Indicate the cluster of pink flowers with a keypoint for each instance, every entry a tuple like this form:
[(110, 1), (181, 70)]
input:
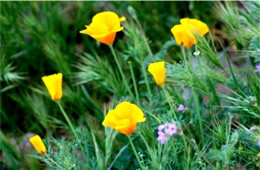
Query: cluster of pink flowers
[(166, 130)]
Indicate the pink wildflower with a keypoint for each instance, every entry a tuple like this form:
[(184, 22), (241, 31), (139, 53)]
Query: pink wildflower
[(162, 138), (181, 108), (171, 129), (257, 68), (166, 130), (161, 127)]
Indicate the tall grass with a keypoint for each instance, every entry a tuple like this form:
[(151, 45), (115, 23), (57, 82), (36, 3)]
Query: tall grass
[(219, 128)]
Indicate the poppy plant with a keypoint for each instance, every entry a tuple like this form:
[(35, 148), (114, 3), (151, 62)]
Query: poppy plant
[(185, 32), (53, 84), (104, 27), (38, 144), (124, 118), (158, 72)]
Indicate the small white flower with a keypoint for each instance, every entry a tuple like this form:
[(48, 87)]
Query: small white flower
[(196, 53)]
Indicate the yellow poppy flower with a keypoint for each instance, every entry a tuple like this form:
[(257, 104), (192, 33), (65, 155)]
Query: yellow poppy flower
[(196, 26), (158, 72), (124, 118), (184, 32), (183, 36), (53, 84), (38, 144), (104, 27)]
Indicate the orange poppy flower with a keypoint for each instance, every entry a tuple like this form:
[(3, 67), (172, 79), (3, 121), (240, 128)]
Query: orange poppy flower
[(38, 144), (158, 72), (124, 118), (184, 32), (104, 27), (53, 84)]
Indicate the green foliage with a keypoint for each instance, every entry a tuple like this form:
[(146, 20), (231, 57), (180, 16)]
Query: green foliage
[(241, 24), (93, 69), (208, 51), (9, 76), (221, 96), (254, 48)]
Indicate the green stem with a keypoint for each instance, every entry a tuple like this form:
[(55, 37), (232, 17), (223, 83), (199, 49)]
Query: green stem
[(147, 146), (203, 77), (117, 156), (54, 162), (67, 119), (142, 63), (155, 118), (144, 37), (197, 109), (184, 56), (194, 96), (92, 103), (70, 125), (169, 102), (198, 151), (136, 155), (134, 82), (146, 81), (174, 114), (120, 70), (232, 72)]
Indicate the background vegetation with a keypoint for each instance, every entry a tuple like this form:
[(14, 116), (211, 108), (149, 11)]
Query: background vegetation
[(42, 38)]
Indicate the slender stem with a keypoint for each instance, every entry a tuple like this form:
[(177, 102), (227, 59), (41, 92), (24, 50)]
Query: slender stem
[(144, 37), (54, 162), (117, 156), (193, 95), (85, 92), (197, 104), (67, 119), (136, 155), (184, 56), (174, 114), (197, 109), (155, 162), (142, 62), (231, 71), (120, 70), (176, 157), (146, 144), (134, 82), (155, 118), (198, 151), (146, 80), (203, 77), (169, 102), (70, 125)]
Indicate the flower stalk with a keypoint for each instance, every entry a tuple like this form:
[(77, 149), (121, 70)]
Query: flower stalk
[(198, 151), (136, 155), (134, 82), (67, 119), (170, 103), (121, 71), (54, 162), (146, 81), (197, 109)]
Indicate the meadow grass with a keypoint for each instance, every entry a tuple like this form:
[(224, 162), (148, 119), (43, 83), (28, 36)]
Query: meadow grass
[(216, 81)]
